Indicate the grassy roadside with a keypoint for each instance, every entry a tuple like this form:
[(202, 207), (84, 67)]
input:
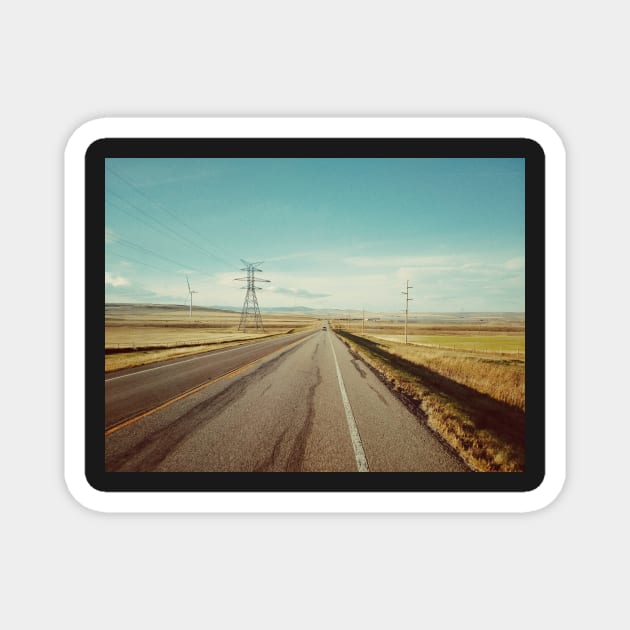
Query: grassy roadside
[(118, 359), (487, 432), (136, 358), (489, 343), (141, 334)]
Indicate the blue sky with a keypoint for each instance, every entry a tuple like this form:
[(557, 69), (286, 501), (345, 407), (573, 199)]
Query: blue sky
[(333, 233)]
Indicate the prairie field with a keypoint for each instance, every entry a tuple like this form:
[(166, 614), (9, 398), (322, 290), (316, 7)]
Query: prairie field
[(480, 342), (483, 335), (474, 400), (142, 334)]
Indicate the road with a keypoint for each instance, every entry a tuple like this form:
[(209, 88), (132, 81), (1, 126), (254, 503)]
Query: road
[(134, 390), (296, 403)]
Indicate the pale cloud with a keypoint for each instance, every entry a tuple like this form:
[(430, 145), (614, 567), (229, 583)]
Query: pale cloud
[(397, 261), (515, 264), (227, 279), (295, 256), (316, 255), (115, 281), (406, 273), (451, 283), (303, 293)]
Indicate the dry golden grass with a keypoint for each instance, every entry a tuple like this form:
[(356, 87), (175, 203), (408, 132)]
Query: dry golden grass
[(141, 334), (512, 344), (500, 378), (475, 404)]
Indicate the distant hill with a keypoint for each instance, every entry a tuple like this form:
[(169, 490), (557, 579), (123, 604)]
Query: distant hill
[(337, 313), (286, 309), (112, 306)]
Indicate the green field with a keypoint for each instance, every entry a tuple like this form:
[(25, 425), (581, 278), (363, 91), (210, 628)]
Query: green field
[(475, 343)]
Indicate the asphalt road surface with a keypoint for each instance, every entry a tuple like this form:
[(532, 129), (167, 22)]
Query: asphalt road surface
[(296, 403)]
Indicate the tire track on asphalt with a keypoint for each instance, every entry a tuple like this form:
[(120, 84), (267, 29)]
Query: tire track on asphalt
[(143, 413), (150, 451)]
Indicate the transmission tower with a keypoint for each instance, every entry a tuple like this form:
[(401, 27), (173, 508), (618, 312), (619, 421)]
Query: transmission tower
[(251, 311)]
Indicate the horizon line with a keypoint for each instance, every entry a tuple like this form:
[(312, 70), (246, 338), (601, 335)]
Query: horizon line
[(307, 308)]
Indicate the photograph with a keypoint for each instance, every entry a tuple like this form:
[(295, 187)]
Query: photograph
[(314, 314)]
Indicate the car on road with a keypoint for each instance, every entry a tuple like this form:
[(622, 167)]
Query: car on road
[(323, 327)]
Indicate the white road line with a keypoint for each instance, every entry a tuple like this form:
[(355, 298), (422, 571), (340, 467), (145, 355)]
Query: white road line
[(205, 356), (359, 453)]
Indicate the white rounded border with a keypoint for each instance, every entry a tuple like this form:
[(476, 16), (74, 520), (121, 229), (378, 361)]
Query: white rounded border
[(305, 502)]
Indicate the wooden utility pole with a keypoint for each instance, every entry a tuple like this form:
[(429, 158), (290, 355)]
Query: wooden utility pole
[(407, 298)]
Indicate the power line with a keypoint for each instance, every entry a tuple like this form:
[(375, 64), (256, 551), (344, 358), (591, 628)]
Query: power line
[(164, 231), (171, 214), (169, 231), (140, 248), (138, 262)]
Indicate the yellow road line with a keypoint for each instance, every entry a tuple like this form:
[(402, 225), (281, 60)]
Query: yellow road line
[(234, 372)]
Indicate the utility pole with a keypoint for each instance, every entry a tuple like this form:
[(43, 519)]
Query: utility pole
[(363, 322), (251, 309), (407, 298)]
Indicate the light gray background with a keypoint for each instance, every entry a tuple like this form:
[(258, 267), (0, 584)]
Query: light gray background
[(67, 62)]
